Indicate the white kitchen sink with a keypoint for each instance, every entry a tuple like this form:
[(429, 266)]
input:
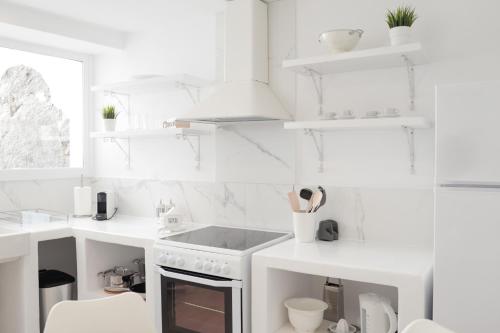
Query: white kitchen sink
[(14, 243)]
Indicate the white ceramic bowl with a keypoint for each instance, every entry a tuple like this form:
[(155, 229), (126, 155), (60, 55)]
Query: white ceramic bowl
[(341, 40), (305, 314)]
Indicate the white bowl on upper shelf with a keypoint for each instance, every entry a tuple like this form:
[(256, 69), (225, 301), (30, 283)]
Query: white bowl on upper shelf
[(340, 40)]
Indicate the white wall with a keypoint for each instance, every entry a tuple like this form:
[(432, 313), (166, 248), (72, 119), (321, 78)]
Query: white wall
[(381, 159), (184, 45), (248, 169)]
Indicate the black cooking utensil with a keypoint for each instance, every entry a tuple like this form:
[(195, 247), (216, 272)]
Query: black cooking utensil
[(323, 199), (306, 194)]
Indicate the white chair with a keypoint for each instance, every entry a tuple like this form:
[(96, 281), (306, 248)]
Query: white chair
[(425, 326), (125, 313)]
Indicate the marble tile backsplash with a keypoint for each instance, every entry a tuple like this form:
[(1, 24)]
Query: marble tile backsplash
[(388, 215), (47, 194)]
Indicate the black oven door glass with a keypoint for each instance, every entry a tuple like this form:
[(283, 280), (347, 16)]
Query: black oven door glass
[(189, 307)]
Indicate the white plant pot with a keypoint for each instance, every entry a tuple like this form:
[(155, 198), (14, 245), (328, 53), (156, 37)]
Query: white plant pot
[(400, 35), (109, 125)]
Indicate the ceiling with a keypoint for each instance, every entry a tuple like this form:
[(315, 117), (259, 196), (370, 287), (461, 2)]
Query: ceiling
[(125, 15)]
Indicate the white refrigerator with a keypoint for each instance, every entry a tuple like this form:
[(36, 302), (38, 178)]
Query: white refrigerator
[(467, 207)]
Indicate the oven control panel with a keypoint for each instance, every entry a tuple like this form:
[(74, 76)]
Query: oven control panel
[(200, 261)]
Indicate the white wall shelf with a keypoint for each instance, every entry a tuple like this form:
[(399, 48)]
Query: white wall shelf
[(191, 136), (360, 124), (407, 55), (155, 84), (147, 133), (288, 328), (316, 128), (369, 59)]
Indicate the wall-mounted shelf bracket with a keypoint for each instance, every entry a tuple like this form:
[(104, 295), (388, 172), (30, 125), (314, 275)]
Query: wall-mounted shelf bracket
[(192, 91), (317, 80), (116, 96), (195, 144), (124, 148), (317, 138), (410, 137), (410, 69)]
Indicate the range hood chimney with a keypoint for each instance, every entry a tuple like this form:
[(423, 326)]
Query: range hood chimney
[(245, 94)]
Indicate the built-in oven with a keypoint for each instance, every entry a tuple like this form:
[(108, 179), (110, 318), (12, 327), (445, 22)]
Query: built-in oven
[(194, 302)]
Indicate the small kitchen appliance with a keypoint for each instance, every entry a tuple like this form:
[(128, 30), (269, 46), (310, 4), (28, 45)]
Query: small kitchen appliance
[(105, 206), (205, 273), (377, 314)]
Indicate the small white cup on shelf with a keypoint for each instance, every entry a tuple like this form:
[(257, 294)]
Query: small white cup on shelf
[(304, 226)]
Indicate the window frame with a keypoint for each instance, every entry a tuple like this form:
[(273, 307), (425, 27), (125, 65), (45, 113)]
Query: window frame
[(58, 173)]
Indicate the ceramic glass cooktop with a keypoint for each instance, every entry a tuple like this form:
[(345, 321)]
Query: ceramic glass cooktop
[(225, 238)]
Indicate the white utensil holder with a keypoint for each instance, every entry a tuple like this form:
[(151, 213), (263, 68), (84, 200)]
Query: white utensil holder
[(304, 226)]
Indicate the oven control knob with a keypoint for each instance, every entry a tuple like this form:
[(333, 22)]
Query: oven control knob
[(180, 262), (162, 258), (198, 264), (171, 260), (226, 269), (208, 266), (217, 268)]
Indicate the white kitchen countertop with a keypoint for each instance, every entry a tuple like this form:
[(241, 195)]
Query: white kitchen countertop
[(355, 260), (274, 279), (121, 227), (90, 235)]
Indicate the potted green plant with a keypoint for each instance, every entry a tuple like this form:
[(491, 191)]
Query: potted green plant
[(400, 21), (109, 115)]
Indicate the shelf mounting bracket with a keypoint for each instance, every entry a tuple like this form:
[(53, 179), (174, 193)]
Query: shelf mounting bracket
[(195, 145), (317, 80), (410, 137), (192, 91), (410, 69), (125, 149), (116, 97), (318, 141)]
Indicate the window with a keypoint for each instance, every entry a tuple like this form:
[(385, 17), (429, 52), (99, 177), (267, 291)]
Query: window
[(41, 111)]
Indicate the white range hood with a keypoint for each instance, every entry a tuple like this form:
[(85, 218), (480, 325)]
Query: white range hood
[(245, 94)]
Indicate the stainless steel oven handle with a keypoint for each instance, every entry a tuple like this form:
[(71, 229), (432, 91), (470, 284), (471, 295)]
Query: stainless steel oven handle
[(195, 279)]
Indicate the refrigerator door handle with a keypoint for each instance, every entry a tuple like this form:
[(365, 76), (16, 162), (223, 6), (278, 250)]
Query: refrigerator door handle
[(470, 185)]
